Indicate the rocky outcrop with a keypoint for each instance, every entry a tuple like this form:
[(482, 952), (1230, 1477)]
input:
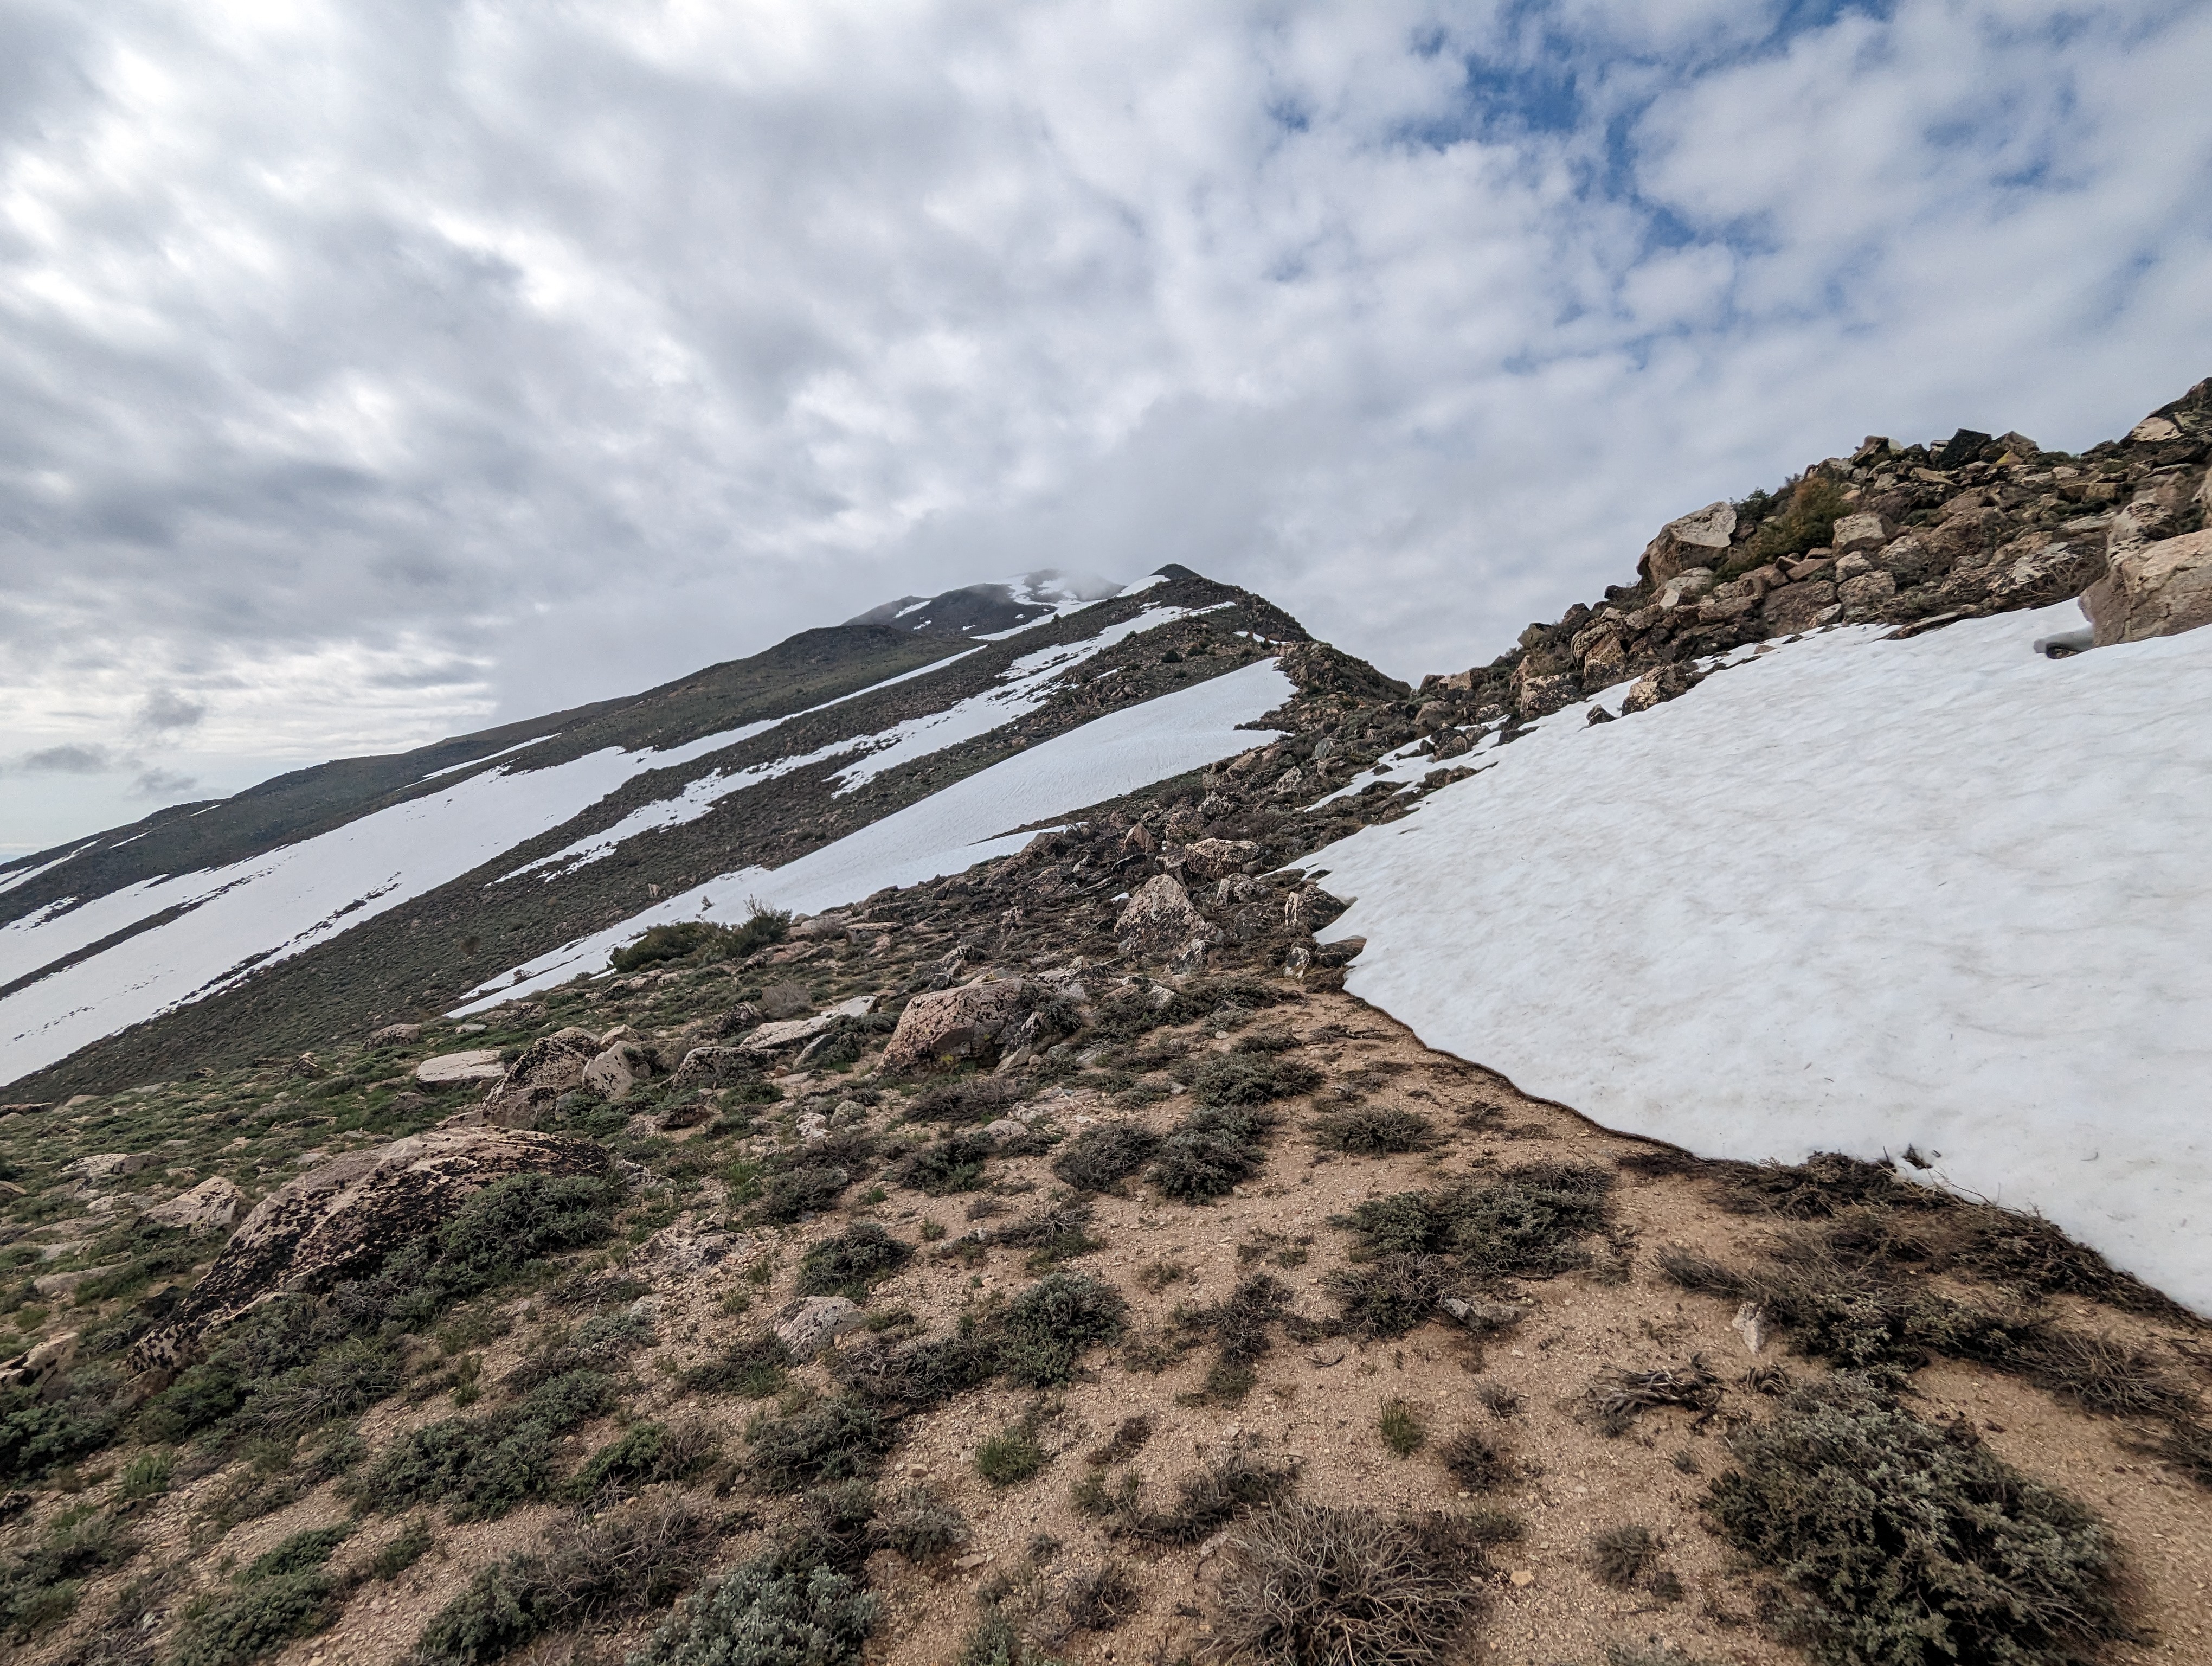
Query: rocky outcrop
[(812, 1322), (774, 1037), (963, 1023), (1691, 540), (343, 1218), (1158, 918), (2153, 590), (549, 1067)]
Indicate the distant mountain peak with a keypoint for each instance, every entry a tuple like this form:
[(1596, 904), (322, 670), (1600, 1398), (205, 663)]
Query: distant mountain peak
[(993, 608)]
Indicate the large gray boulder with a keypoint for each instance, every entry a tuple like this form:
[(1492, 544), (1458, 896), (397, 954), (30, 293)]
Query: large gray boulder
[(966, 1022), (2153, 590)]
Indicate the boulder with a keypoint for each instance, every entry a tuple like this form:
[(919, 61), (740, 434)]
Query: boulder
[(812, 1322), (479, 1064), (2153, 590), (344, 1216), (1659, 684), (2032, 571), (966, 1022), (212, 1203), (1718, 609), (549, 1067), (395, 1035), (1158, 917), (613, 1073), (1005, 1127), (2151, 431), (1864, 596), (1603, 654), (1686, 588), (1796, 607), (1216, 859), (1865, 530), (773, 1038), (1538, 694), (1690, 541), (49, 1359)]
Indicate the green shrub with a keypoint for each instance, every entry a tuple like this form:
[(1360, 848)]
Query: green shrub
[(1521, 1223), (284, 1595), (485, 1466), (1619, 1556), (145, 1476), (919, 1523), (1903, 1543), (1211, 1153), (38, 1587), (1251, 1079), (644, 1453), (1373, 1131), (299, 1553), (1389, 1294), (1009, 1456), (753, 1369), (402, 1551), (701, 938), (1401, 1428), (964, 1099), (1045, 1329), (778, 1609), (993, 1640), (342, 1381), (1098, 1159), (860, 1257), (834, 1439), (953, 1163)]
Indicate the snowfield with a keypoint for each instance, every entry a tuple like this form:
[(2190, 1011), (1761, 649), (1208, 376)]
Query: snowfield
[(1848, 894), (953, 829)]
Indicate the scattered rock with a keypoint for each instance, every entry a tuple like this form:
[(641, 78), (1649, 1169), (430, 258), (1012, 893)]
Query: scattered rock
[(715, 1066), (1688, 541), (109, 1166), (1660, 684), (549, 1067), (1864, 596), (1483, 1316), (213, 1202), (480, 1064), (772, 1038), (1750, 1323), (812, 1322), (1217, 859), (1865, 530), (349, 1214), (968, 1021), (1799, 607), (613, 1073), (1005, 1127), (395, 1035), (1158, 918)]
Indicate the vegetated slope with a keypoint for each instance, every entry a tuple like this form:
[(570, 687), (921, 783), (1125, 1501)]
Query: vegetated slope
[(1205, 1307), (387, 915)]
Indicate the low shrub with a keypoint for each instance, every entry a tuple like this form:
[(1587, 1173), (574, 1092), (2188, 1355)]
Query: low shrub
[(1474, 1460), (1045, 1329), (1401, 1428), (1373, 1131), (702, 938), (1011, 1455), (952, 1162), (622, 1564), (1228, 1079), (834, 1439), (1211, 1153), (1616, 1399), (38, 1587), (642, 1454), (599, 1343), (1390, 1294), (918, 1523), (1306, 1583), (1521, 1223), (403, 1550), (1099, 1159), (1205, 1502), (482, 1467), (40, 1430), (1098, 1599), (781, 1608), (283, 1594), (966, 1099), (1903, 1543), (1619, 1556), (853, 1262), (753, 1369)]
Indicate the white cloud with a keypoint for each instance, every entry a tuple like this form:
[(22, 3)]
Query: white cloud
[(368, 371)]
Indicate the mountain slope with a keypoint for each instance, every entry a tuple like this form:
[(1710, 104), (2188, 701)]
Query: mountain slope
[(297, 939)]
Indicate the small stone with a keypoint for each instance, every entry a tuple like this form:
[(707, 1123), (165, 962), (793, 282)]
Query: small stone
[(1522, 1576)]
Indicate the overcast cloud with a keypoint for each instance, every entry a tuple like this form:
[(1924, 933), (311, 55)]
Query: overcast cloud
[(368, 373)]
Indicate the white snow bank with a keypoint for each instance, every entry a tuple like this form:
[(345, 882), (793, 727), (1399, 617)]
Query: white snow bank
[(1852, 895), (965, 823)]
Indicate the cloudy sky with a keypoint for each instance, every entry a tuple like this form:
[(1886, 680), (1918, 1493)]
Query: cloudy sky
[(370, 372)]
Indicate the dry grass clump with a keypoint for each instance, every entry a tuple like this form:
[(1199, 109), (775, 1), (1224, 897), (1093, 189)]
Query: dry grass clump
[(1099, 1159), (1619, 1556), (919, 1523), (1313, 1585), (1240, 1328), (1127, 1440), (1205, 1501), (1401, 1428), (1098, 1599), (1520, 1222), (1618, 1398), (1497, 1400), (1389, 1294), (1901, 1541), (1373, 1130), (1473, 1459), (1011, 1455), (966, 1099), (752, 1369), (1051, 1236), (952, 1162), (811, 1177), (615, 1566)]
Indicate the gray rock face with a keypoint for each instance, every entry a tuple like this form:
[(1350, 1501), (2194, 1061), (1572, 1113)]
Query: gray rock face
[(615, 1071), (1866, 595), (774, 1037), (1859, 532), (966, 1022), (347, 1214), (1796, 607), (109, 1166), (1691, 541), (2153, 590), (549, 1067), (812, 1322), (1659, 684)]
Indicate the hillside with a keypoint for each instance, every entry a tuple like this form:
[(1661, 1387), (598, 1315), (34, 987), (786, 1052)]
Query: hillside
[(1142, 1137)]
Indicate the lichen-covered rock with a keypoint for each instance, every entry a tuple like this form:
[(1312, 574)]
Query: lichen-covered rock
[(1657, 686), (1802, 606), (1214, 859), (967, 1022), (1691, 540), (773, 1038), (613, 1073), (716, 1067), (549, 1067), (395, 1035), (347, 1214), (1158, 917), (812, 1322)]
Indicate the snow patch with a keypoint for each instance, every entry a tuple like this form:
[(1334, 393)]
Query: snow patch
[(1855, 895)]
